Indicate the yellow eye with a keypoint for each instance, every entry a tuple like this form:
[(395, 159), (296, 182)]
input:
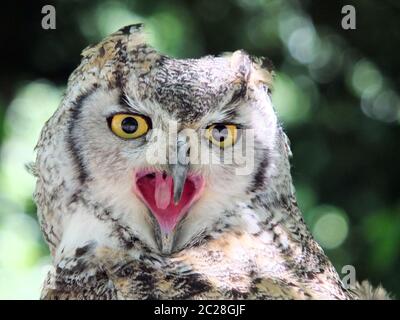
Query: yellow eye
[(222, 135), (129, 126)]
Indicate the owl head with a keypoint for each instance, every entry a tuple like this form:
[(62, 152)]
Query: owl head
[(150, 149)]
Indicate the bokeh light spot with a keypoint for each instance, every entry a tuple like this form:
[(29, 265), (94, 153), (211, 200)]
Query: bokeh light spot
[(331, 227), (366, 79)]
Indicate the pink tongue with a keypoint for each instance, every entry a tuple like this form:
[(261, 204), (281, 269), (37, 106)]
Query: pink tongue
[(162, 192), (156, 190)]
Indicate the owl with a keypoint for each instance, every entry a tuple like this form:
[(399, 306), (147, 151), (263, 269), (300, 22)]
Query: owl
[(164, 178)]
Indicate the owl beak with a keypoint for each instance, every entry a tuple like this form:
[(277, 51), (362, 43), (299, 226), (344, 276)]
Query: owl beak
[(180, 169), (169, 195), (179, 173), (155, 189)]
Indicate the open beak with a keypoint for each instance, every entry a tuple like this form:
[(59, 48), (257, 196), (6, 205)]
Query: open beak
[(169, 196)]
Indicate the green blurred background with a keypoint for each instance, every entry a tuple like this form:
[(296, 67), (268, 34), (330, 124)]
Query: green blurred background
[(336, 92)]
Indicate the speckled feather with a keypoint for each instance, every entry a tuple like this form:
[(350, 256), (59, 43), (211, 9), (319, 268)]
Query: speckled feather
[(244, 242)]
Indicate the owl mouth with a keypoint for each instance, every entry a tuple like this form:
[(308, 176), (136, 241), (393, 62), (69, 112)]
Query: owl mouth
[(155, 189)]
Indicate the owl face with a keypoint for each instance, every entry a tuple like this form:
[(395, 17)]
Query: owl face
[(166, 147), (172, 160)]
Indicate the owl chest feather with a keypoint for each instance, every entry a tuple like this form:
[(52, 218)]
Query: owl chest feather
[(233, 266)]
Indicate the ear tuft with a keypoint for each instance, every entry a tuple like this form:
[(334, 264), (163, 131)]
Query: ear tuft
[(262, 72), (117, 56), (253, 70), (241, 63)]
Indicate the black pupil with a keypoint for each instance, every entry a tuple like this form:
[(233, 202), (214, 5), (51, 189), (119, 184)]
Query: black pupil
[(220, 132), (129, 125)]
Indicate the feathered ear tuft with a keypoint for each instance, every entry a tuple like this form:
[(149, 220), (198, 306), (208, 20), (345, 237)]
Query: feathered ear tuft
[(131, 36), (112, 59), (253, 70), (241, 63), (263, 71)]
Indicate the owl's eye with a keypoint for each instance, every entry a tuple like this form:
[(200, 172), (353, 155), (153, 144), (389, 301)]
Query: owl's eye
[(222, 135), (129, 126)]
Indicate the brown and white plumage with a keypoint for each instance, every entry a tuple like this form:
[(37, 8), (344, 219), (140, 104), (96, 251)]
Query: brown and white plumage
[(244, 238)]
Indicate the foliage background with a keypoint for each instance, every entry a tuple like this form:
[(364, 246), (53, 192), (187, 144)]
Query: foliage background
[(336, 92)]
